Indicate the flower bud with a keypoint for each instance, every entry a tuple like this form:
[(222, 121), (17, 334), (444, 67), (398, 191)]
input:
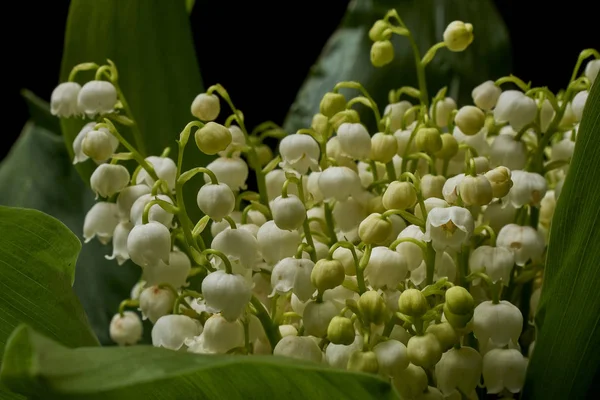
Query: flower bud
[(341, 331), (327, 274), (63, 101), (264, 154), (458, 36), (320, 124), (507, 152), (458, 369), (216, 200), (156, 302), (411, 382), (332, 103), (374, 229), (299, 347), (226, 293), (126, 329), (345, 256), (171, 331), (376, 31), (396, 113), (578, 104), (445, 334), (343, 117), (383, 147), (424, 351), (391, 356), (591, 70), (429, 140), (485, 96), (470, 120), (500, 179), (149, 243), (219, 336), (399, 195), (516, 108), (355, 140), (109, 179), (288, 212), (431, 186), (375, 205), (231, 171), (212, 138), (459, 300), (175, 273), (97, 97), (363, 362), (449, 147), (206, 107), (412, 303), (372, 307), (165, 169), (99, 145), (476, 190), (382, 53)]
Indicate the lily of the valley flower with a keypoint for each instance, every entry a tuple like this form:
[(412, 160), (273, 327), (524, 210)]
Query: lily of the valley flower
[(299, 153), (448, 228)]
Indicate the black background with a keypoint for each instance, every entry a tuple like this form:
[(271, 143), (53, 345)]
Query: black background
[(276, 44)]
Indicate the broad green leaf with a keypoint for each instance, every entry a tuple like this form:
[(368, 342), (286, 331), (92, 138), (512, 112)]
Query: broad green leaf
[(36, 365), (37, 173), (566, 358), (346, 57)]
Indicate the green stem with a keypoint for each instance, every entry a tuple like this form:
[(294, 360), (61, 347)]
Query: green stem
[(391, 171), (128, 303), (429, 263), (360, 280), (360, 270), (330, 224), (165, 205), (271, 330), (222, 256), (361, 88)]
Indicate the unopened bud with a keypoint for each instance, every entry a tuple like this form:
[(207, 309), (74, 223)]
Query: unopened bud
[(382, 53), (374, 229), (429, 140), (327, 274), (341, 331), (375, 205), (206, 107), (383, 147), (500, 179), (372, 307), (99, 145), (264, 154), (459, 300), (445, 334), (332, 103), (346, 116), (363, 362), (431, 186), (212, 138), (377, 30), (458, 36), (412, 303), (469, 120), (449, 147), (475, 190), (400, 196), (320, 123), (424, 351)]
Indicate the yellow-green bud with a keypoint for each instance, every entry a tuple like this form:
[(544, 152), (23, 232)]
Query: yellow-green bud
[(372, 307), (327, 274), (399, 196), (341, 331), (99, 145), (470, 120), (429, 140), (332, 103), (432, 185), (320, 124), (459, 300), (377, 30), (212, 138), (382, 53), (449, 147), (363, 362), (458, 36), (383, 147), (411, 383), (412, 303), (349, 116), (374, 229), (206, 107), (445, 334), (375, 205), (500, 179), (458, 321), (475, 190), (264, 154), (424, 351)]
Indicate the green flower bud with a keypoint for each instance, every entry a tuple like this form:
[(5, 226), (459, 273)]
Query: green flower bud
[(500, 179), (375, 205), (349, 116), (374, 229), (372, 307), (341, 331), (412, 303), (458, 36), (459, 300), (206, 107), (363, 362), (470, 120), (432, 185), (212, 138), (382, 53), (264, 154), (327, 274), (458, 321), (320, 124), (424, 351), (429, 140), (449, 147), (332, 103), (445, 334), (411, 383), (383, 147), (399, 196), (377, 30), (476, 190)]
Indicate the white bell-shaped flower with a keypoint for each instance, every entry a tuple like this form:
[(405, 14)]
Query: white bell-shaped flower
[(156, 302), (78, 154), (411, 382), (275, 180), (500, 323), (403, 137), (391, 357), (443, 110), (562, 150), (495, 262), (591, 70), (238, 142), (355, 140), (299, 153), (528, 188), (338, 296), (149, 243), (348, 214), (171, 331), (299, 347), (507, 152), (515, 108), (444, 267), (430, 204), (126, 329), (231, 171), (450, 190), (396, 113), (339, 183), (337, 355), (312, 186), (99, 145), (478, 142), (448, 227), (546, 115), (365, 172), (206, 107), (525, 242), (485, 96), (504, 369), (100, 221), (288, 212), (119, 242), (458, 369), (316, 317), (345, 256), (97, 97), (226, 293), (137, 290), (175, 273), (165, 169), (237, 244), (109, 179), (410, 252), (386, 268), (334, 151), (127, 197), (216, 200), (218, 337), (497, 215), (293, 274), (63, 101), (578, 104), (276, 244), (156, 213)]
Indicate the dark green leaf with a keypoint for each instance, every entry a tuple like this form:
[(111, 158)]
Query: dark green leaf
[(566, 358), (39, 111), (36, 365), (347, 54)]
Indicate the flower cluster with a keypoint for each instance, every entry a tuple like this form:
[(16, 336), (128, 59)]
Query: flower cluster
[(414, 251)]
